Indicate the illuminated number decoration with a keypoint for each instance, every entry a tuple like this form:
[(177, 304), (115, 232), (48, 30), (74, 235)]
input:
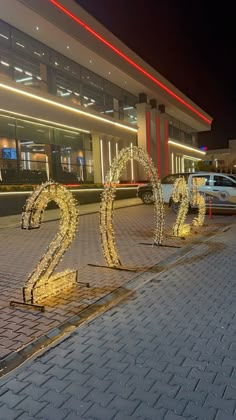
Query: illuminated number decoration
[(199, 200), (180, 195), (41, 283), (106, 209)]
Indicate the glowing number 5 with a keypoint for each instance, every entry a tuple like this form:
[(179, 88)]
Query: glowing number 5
[(180, 195), (199, 200), (41, 283)]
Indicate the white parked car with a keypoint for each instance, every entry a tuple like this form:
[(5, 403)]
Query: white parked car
[(219, 189)]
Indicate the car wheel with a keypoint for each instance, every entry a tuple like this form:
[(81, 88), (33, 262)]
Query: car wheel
[(174, 207), (147, 197)]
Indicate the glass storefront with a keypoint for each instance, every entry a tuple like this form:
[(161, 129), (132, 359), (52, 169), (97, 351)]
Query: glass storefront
[(181, 132), (31, 152), (30, 63)]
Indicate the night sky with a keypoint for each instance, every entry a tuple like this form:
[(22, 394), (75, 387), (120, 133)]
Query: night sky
[(192, 44)]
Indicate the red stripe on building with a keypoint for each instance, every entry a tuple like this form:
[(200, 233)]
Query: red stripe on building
[(166, 136), (130, 61), (158, 146), (148, 132)]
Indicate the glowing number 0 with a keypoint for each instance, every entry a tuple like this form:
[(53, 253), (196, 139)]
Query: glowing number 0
[(41, 283), (180, 194), (106, 209)]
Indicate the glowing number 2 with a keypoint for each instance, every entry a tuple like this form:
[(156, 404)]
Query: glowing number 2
[(41, 283)]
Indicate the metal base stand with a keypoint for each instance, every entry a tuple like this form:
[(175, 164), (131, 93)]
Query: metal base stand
[(84, 283), (160, 245), (27, 305), (120, 268)]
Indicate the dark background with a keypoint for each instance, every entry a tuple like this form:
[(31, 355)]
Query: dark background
[(192, 44)]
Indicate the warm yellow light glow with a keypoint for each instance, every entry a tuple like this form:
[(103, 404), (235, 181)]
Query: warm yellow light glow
[(47, 123), (180, 195), (183, 146), (41, 283), (102, 160), (106, 209), (68, 108), (199, 200), (191, 157)]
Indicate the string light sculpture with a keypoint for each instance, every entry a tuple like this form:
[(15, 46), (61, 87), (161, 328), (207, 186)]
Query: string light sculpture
[(199, 200), (41, 283), (180, 195), (107, 199)]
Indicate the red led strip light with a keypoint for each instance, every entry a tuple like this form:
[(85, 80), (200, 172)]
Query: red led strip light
[(158, 145), (148, 132), (166, 137), (126, 58)]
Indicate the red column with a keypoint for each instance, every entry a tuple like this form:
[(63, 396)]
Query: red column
[(148, 132), (166, 136), (158, 146)]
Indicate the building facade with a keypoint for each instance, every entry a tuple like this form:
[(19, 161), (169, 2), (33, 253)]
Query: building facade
[(222, 160), (73, 95)]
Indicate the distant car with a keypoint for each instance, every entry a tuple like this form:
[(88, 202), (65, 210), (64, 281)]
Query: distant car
[(145, 191), (219, 190)]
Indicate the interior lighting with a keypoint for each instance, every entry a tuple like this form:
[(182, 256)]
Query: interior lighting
[(130, 61), (4, 36), (20, 45), (25, 79), (4, 63), (68, 108), (64, 126), (18, 69), (102, 161), (183, 146)]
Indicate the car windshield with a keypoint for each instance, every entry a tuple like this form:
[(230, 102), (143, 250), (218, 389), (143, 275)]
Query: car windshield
[(170, 179), (233, 177)]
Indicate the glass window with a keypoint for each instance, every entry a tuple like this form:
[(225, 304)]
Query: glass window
[(36, 133), (26, 71), (5, 63), (92, 79), (8, 160), (65, 65), (92, 97), (5, 37), (205, 177), (114, 91), (24, 44), (222, 181), (68, 88), (7, 126), (34, 162)]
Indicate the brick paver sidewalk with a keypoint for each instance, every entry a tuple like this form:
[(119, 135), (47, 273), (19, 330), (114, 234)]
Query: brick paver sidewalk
[(168, 352), (20, 251)]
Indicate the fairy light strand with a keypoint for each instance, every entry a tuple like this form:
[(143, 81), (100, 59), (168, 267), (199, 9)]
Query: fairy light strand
[(106, 208), (180, 195), (199, 200), (41, 283)]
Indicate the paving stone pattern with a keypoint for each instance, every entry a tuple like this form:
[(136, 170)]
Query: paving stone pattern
[(20, 250), (168, 352)]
